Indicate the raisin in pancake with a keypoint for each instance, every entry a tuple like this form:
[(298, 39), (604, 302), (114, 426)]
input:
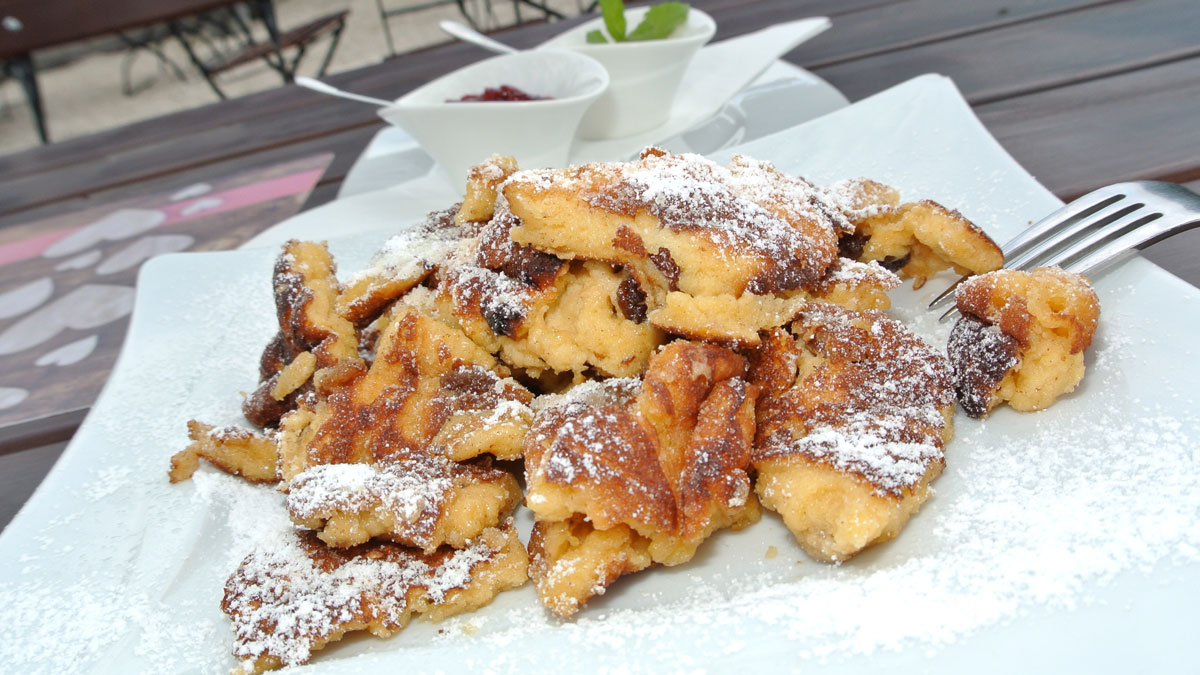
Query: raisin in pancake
[(1021, 338), (707, 245), (623, 473), (916, 239), (852, 421), (540, 314), (291, 600)]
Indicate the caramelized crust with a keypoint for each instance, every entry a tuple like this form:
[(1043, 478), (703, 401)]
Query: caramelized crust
[(288, 602), (679, 223), (306, 293), (483, 183), (425, 376), (234, 450), (1021, 338), (262, 409), (424, 501), (916, 239), (852, 423), (664, 458)]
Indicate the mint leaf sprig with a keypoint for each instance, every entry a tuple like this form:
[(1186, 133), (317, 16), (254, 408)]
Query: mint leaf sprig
[(659, 22)]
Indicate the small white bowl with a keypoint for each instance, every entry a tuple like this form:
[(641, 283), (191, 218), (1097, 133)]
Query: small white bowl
[(645, 75), (461, 134)]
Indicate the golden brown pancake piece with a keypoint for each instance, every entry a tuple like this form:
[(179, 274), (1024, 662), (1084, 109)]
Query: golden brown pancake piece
[(916, 239), (429, 389), (291, 600), (852, 421), (654, 466), (687, 230), (1021, 338), (424, 501), (234, 450)]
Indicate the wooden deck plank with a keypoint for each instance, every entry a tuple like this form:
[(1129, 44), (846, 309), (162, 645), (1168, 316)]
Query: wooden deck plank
[(1091, 43)]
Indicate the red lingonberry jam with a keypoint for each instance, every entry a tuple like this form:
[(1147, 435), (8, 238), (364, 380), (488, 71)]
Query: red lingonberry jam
[(504, 92)]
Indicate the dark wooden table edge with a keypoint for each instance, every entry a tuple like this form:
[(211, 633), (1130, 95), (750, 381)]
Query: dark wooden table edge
[(42, 431)]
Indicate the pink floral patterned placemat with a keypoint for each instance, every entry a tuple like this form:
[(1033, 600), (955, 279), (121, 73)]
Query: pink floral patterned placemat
[(67, 283)]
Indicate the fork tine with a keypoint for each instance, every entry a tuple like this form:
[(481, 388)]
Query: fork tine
[(948, 294), (1124, 246), (1096, 239), (1047, 228), (1100, 229), (1067, 233), (1080, 208)]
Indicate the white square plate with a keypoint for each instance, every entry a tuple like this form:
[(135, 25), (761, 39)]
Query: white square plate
[(1067, 539)]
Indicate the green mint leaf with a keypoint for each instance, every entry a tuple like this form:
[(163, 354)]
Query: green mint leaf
[(660, 21), (614, 18), (596, 37)]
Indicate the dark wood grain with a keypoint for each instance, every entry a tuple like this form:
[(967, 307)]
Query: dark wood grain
[(1012, 60), (20, 474), (911, 23), (1141, 124), (60, 351), (963, 41)]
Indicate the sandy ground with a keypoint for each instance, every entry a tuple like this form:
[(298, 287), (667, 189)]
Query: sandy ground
[(85, 96)]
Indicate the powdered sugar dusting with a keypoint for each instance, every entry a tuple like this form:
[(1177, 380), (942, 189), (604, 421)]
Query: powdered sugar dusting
[(404, 489), (872, 407), (295, 595)]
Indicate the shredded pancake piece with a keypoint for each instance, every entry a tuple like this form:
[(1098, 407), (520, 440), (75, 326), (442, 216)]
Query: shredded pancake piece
[(916, 239), (294, 599), (429, 390), (234, 450), (424, 501), (527, 306), (681, 224), (1021, 338), (483, 186), (653, 467), (852, 421), (312, 333), (306, 293)]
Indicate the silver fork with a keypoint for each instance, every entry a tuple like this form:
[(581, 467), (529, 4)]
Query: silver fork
[(1098, 230)]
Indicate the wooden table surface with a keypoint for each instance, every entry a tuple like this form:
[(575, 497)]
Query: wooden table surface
[(1081, 92)]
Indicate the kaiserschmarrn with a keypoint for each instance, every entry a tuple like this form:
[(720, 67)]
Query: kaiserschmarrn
[(638, 353)]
